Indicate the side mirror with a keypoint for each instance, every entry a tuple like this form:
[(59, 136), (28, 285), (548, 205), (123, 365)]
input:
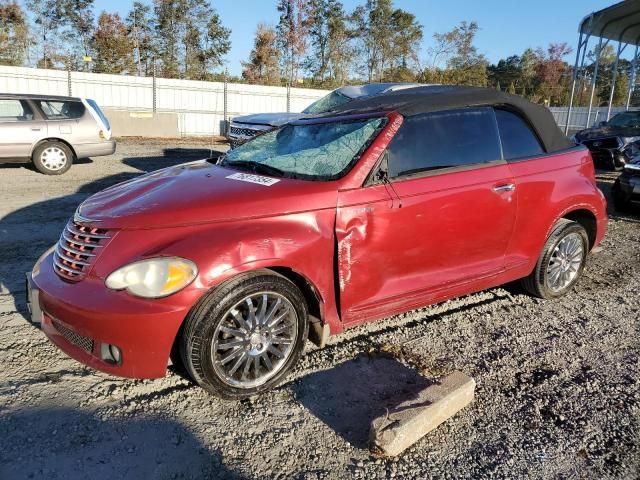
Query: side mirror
[(602, 124)]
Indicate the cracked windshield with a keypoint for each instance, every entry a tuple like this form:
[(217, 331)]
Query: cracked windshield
[(321, 150)]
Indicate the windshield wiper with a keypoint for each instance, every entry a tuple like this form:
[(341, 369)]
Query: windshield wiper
[(258, 167)]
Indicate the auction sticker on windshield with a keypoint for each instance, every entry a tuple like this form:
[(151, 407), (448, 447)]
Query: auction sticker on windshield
[(248, 177)]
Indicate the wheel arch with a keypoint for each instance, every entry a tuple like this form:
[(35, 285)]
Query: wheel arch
[(588, 220), (53, 139)]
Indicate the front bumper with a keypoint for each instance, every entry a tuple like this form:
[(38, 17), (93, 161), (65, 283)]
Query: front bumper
[(82, 318), (85, 150), (607, 157), (627, 188)]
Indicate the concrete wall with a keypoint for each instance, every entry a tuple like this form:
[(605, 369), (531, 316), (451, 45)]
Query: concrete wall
[(125, 123)]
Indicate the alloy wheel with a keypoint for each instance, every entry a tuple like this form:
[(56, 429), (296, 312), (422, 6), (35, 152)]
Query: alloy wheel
[(254, 340), (565, 262)]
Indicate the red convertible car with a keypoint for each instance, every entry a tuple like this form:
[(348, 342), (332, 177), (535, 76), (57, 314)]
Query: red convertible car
[(392, 203)]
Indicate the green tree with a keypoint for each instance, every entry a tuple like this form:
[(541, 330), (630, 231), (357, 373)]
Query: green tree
[(46, 18), (112, 45), (456, 50), (292, 34), (373, 24), (406, 38), (191, 38), (77, 19), (141, 30), (329, 35), (263, 66), (14, 33)]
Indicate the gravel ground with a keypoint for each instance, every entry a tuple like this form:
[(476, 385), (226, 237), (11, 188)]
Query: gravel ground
[(558, 383)]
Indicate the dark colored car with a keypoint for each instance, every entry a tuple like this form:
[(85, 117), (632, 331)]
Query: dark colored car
[(614, 143), (388, 204), (246, 127), (626, 188)]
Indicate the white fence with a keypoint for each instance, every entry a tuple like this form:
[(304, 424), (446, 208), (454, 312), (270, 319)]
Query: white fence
[(200, 106), (579, 116)]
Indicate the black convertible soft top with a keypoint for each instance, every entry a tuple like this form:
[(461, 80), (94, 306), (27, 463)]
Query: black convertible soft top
[(433, 98)]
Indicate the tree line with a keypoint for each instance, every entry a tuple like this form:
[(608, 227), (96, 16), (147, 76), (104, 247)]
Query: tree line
[(314, 43)]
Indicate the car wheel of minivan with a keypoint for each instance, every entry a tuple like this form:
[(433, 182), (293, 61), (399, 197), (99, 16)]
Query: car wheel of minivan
[(52, 158), (244, 336), (561, 262)]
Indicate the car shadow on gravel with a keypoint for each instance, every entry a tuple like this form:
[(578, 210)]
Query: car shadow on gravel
[(75, 444), (349, 396), (49, 217)]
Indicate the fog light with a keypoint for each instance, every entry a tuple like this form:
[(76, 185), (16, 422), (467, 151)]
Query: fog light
[(111, 354)]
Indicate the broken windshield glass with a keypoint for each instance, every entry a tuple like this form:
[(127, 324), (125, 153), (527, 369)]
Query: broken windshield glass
[(327, 103), (320, 150)]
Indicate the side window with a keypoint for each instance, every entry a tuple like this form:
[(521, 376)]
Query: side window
[(518, 141), (15, 111), (60, 110), (447, 139)]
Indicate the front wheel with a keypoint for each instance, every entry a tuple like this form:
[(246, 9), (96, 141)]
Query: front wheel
[(245, 336), (561, 262)]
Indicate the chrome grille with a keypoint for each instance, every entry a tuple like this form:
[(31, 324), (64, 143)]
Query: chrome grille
[(244, 132), (76, 249), (85, 343), (609, 142)]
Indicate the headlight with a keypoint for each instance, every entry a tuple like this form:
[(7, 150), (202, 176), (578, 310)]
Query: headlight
[(153, 278)]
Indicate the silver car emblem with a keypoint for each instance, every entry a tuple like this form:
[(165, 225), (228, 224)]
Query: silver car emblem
[(597, 144)]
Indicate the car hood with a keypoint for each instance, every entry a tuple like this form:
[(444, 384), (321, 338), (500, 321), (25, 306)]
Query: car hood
[(604, 132), (272, 119), (201, 192)]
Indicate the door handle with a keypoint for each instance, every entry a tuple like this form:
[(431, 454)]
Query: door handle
[(509, 187), (36, 129)]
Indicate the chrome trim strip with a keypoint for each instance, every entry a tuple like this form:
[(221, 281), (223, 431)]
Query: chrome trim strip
[(69, 259)]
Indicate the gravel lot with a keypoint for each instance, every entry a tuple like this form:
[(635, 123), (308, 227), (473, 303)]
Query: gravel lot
[(558, 392)]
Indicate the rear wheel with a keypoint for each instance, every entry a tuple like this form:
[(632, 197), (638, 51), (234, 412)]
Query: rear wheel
[(245, 336), (52, 158), (561, 262)]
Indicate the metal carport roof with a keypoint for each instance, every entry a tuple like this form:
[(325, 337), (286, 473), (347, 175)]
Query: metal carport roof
[(618, 23)]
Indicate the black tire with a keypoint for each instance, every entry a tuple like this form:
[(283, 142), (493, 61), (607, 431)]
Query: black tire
[(617, 164), (621, 202), (205, 320), (39, 157), (536, 283)]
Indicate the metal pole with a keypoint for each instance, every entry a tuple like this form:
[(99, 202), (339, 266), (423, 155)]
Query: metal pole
[(593, 82), (632, 77), (69, 79), (288, 97), (573, 85), (154, 85), (614, 78), (225, 92)]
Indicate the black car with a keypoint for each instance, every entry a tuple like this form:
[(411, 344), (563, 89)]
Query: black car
[(626, 189), (614, 143)]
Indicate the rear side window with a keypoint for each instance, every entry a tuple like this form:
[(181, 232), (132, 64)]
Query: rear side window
[(448, 139), (15, 111), (99, 112), (518, 140), (61, 110)]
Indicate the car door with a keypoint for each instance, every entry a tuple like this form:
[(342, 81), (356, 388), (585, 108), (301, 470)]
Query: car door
[(445, 222), (20, 128)]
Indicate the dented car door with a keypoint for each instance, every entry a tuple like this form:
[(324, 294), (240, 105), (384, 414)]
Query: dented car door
[(446, 220)]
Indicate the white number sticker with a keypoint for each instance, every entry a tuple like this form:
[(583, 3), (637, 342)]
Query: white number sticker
[(249, 177)]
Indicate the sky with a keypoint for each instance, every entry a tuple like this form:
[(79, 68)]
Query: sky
[(507, 27)]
